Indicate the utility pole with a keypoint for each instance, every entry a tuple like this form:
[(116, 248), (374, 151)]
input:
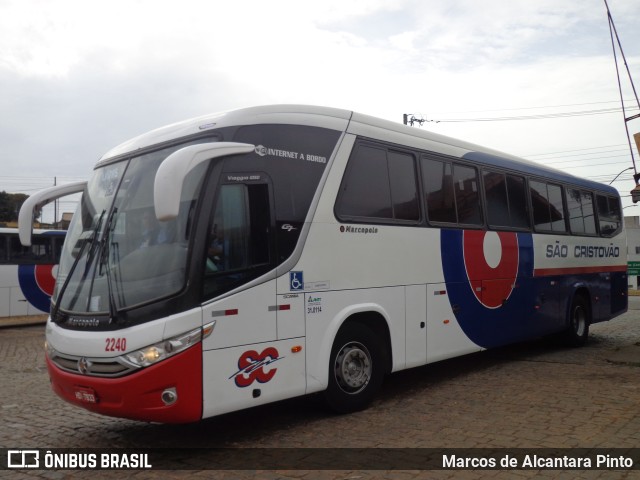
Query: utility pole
[(55, 204), (635, 193)]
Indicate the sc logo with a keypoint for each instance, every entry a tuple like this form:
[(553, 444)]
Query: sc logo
[(251, 367)]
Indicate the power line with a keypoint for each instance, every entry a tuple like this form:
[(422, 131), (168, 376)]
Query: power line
[(582, 113), (596, 165), (583, 160), (531, 108), (575, 150)]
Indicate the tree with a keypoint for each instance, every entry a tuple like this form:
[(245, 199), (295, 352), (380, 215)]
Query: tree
[(10, 204)]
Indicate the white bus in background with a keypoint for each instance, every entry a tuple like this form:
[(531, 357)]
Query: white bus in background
[(27, 274), (250, 256)]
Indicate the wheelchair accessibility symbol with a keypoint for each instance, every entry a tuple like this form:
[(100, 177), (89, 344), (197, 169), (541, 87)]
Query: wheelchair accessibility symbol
[(296, 281)]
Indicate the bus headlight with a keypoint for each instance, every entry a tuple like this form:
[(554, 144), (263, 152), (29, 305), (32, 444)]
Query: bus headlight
[(49, 350), (167, 348)]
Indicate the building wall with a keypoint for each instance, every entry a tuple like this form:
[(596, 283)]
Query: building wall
[(632, 225)]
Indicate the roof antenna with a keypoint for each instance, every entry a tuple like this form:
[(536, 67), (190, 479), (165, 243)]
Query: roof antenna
[(411, 119), (635, 193)]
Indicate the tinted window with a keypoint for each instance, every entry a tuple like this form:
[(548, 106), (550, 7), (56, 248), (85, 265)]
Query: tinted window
[(3, 248), (588, 214), (239, 242), (295, 158), (574, 209), (365, 191), (609, 215), (404, 190), (556, 208), (40, 251), (379, 184), (438, 185), (580, 209), (548, 210), (451, 192), (58, 242), (465, 181), (517, 202), (495, 187)]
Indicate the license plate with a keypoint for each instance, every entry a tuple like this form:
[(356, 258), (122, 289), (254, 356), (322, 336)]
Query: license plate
[(86, 395)]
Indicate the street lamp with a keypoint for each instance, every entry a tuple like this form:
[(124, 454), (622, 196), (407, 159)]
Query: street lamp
[(614, 179)]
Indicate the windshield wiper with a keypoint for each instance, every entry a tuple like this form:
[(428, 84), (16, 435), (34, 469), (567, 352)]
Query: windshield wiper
[(91, 239), (104, 262)]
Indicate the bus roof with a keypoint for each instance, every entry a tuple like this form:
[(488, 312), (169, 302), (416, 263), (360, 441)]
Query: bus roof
[(350, 122)]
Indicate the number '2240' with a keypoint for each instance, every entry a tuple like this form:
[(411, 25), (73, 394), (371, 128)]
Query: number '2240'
[(115, 344)]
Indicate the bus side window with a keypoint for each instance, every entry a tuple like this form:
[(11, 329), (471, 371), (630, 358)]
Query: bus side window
[(239, 240), (452, 192), (467, 191), (379, 184), (57, 248), (588, 213), (38, 252), (548, 209), (495, 187), (438, 185), (367, 172), (517, 201), (609, 215), (580, 208), (4, 251)]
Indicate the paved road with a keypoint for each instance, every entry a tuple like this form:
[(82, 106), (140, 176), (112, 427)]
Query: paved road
[(532, 395)]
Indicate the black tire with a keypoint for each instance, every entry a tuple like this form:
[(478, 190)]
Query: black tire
[(577, 331), (356, 369)]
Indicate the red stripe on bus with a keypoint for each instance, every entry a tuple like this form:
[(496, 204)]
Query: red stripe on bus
[(545, 272)]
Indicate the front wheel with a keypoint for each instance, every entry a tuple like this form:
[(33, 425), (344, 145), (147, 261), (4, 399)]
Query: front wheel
[(579, 319), (356, 369)]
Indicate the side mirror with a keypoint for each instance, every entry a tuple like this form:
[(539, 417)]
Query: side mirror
[(167, 187), (36, 202)]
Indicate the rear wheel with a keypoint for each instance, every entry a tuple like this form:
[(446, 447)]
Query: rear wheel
[(579, 319), (356, 369)]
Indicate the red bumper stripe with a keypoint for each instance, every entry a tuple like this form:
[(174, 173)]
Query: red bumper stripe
[(138, 396)]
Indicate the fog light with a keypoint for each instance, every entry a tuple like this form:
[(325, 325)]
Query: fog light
[(169, 396)]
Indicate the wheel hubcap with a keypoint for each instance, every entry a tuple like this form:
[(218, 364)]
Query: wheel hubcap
[(353, 367), (579, 320)]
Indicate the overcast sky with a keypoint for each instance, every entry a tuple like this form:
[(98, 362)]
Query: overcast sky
[(79, 77)]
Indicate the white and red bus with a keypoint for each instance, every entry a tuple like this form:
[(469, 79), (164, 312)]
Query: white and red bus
[(27, 274), (255, 255)]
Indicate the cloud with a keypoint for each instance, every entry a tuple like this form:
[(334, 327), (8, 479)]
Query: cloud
[(77, 77)]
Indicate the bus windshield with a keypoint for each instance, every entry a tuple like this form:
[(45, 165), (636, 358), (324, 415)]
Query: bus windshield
[(117, 255)]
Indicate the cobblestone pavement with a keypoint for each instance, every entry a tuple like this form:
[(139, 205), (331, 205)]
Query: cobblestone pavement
[(532, 395)]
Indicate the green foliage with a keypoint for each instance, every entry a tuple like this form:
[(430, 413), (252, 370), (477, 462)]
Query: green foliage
[(10, 204)]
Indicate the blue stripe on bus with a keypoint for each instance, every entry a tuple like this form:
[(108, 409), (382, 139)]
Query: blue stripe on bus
[(530, 168)]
